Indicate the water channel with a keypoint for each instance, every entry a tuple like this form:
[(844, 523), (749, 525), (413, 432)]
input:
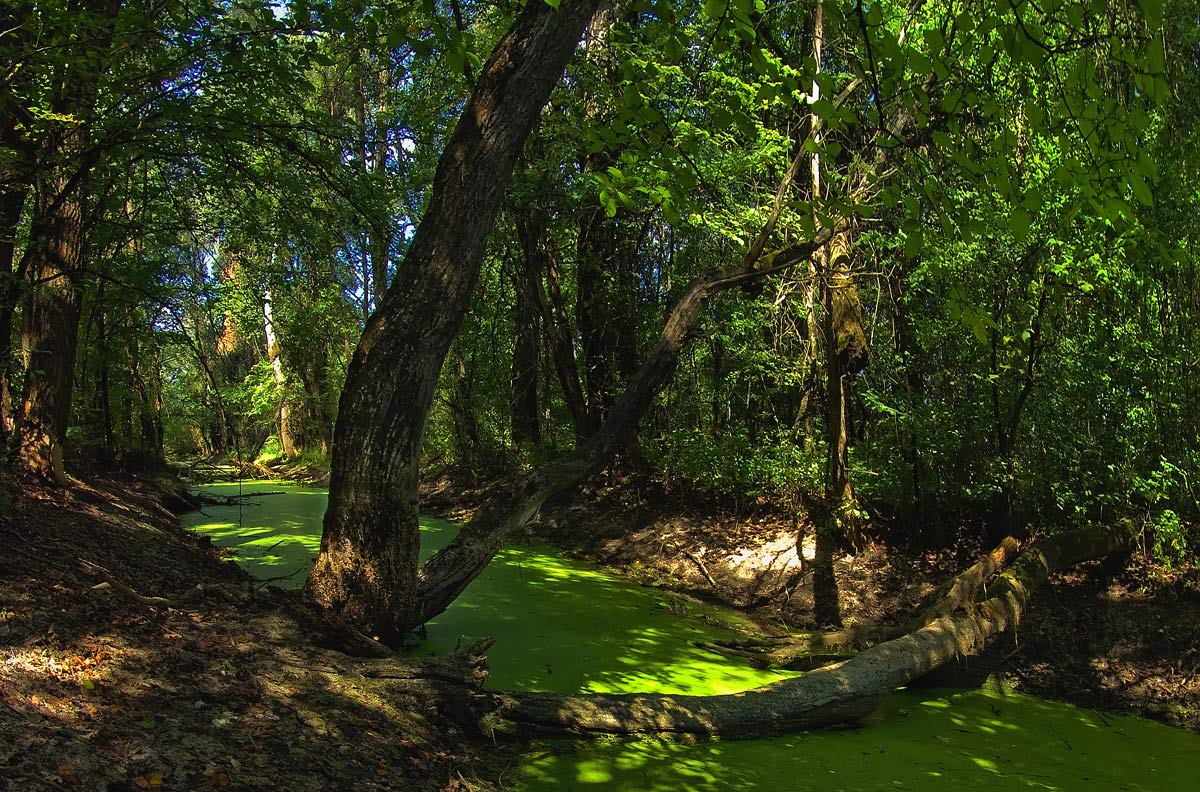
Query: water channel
[(564, 625)]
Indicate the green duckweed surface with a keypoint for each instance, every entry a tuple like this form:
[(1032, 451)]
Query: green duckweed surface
[(563, 625)]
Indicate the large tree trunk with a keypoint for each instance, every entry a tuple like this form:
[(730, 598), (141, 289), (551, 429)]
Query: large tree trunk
[(57, 241), (50, 329), (367, 568), (838, 694)]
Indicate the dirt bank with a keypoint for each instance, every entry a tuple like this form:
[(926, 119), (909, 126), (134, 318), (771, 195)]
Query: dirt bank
[(118, 672)]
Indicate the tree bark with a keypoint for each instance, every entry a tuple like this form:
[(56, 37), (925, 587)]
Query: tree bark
[(830, 696), (57, 243), (50, 330), (367, 569)]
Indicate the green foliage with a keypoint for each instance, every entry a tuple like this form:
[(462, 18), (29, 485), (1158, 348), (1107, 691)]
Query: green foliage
[(733, 464), (1174, 543), (1017, 182)]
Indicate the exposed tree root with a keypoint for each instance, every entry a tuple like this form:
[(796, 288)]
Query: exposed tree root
[(836, 694), (113, 583)]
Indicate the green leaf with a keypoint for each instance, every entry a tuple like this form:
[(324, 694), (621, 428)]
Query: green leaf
[(1152, 10), (914, 242), (1141, 191), (824, 109), (1019, 222)]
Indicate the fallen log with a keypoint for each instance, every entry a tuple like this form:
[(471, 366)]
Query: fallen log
[(829, 696), (803, 652)]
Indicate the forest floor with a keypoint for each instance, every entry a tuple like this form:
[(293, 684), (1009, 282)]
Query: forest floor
[(1124, 642), (104, 686)]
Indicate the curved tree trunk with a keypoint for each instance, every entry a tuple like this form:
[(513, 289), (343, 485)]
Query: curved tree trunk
[(834, 695), (367, 569)]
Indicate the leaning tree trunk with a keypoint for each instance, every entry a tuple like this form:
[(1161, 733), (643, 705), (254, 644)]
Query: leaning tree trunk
[(838, 694), (367, 568)]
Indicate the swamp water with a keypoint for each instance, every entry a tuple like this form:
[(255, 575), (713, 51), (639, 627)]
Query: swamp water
[(563, 625)]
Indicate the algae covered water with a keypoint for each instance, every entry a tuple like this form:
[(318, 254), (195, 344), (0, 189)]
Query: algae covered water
[(559, 624), (564, 625)]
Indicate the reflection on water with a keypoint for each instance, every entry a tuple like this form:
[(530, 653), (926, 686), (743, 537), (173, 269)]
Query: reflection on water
[(563, 625)]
